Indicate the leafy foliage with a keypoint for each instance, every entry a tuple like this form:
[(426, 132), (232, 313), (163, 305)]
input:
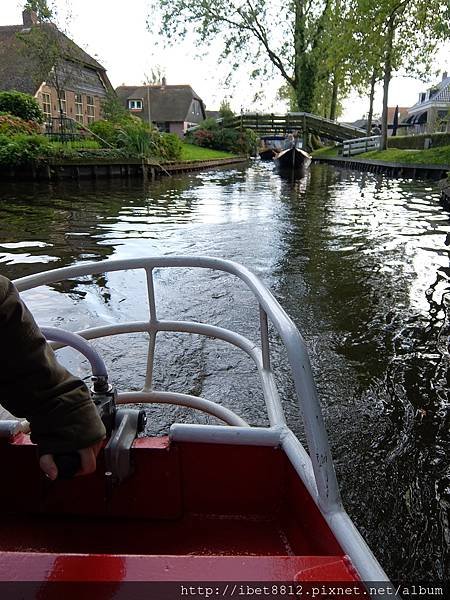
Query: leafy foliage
[(107, 130), (113, 109), (247, 34), (418, 141), (211, 134), (136, 138), (170, 146), (23, 149), (41, 8), (11, 125), (401, 35), (21, 105), (321, 49), (225, 111)]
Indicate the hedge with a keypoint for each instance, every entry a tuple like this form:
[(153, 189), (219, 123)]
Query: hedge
[(417, 142), (21, 105)]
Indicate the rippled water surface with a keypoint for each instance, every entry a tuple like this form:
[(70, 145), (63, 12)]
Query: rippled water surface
[(360, 262)]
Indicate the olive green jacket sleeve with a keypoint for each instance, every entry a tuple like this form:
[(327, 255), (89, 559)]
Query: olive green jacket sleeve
[(34, 385)]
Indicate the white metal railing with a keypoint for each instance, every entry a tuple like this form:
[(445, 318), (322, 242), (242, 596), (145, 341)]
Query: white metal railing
[(316, 469), (360, 145)]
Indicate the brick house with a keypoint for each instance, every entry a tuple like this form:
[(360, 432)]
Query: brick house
[(432, 112), (82, 81), (172, 108)]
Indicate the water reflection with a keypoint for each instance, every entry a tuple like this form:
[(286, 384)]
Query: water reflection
[(359, 261)]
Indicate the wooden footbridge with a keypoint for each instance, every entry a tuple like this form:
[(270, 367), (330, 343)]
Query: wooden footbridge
[(271, 124)]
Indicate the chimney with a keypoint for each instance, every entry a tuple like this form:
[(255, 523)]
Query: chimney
[(29, 18), (444, 75)]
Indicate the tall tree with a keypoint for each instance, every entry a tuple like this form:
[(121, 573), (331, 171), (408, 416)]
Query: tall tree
[(155, 77), (274, 36), (404, 33)]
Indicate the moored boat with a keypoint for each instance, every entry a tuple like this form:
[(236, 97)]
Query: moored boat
[(270, 146), (267, 154), (205, 503)]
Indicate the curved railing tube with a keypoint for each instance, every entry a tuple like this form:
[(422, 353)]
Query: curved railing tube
[(75, 341), (319, 451), (316, 468)]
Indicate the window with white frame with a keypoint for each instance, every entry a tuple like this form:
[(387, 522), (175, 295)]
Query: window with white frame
[(134, 104), (79, 108), (90, 106), (47, 106), (62, 104)]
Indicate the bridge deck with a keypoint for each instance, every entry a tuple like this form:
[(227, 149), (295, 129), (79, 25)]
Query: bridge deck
[(271, 124)]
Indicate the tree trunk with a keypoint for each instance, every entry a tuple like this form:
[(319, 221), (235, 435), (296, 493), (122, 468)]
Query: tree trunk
[(305, 75), (387, 80), (334, 97), (371, 98)]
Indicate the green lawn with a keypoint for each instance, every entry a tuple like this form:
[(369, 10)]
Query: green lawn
[(433, 156), (327, 151), (191, 152)]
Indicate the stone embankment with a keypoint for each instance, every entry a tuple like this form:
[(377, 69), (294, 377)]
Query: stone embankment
[(406, 170)]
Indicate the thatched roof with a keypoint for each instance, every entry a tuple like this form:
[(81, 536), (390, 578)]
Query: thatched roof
[(168, 103), (21, 70)]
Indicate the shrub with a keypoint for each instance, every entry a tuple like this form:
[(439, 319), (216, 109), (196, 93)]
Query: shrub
[(137, 139), (11, 125), (107, 131), (129, 133), (23, 149), (202, 137), (21, 105), (169, 146), (417, 142), (214, 135)]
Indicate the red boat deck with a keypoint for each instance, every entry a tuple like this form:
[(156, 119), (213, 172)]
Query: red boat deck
[(189, 512)]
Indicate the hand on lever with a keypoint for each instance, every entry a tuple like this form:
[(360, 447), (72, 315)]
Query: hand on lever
[(86, 461)]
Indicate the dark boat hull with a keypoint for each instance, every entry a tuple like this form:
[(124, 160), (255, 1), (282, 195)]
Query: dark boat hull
[(293, 159), (267, 154)]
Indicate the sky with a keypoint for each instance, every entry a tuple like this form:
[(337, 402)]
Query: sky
[(115, 33)]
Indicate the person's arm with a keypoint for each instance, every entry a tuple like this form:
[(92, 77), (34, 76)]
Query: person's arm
[(34, 385)]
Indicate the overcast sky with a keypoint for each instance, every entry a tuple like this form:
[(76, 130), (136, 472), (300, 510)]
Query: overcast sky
[(115, 33)]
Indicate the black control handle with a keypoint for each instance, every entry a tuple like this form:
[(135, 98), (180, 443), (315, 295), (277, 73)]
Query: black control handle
[(68, 464)]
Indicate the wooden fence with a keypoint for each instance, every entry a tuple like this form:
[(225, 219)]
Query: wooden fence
[(360, 145)]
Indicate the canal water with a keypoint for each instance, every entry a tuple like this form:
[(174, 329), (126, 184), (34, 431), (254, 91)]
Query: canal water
[(359, 261)]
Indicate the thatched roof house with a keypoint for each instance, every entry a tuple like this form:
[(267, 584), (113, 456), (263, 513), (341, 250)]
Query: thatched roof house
[(172, 108), (83, 81)]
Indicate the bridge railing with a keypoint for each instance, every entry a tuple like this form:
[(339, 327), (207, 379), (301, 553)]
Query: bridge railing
[(266, 124), (360, 145)]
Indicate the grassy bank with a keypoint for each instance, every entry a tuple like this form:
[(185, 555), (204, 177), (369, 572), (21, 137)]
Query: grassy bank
[(433, 156), (191, 152), (325, 152)]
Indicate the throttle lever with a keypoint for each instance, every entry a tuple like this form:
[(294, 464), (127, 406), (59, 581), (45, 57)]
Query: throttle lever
[(128, 423)]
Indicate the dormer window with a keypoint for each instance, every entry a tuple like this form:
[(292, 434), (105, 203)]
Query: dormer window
[(422, 97), (196, 109), (134, 104)]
